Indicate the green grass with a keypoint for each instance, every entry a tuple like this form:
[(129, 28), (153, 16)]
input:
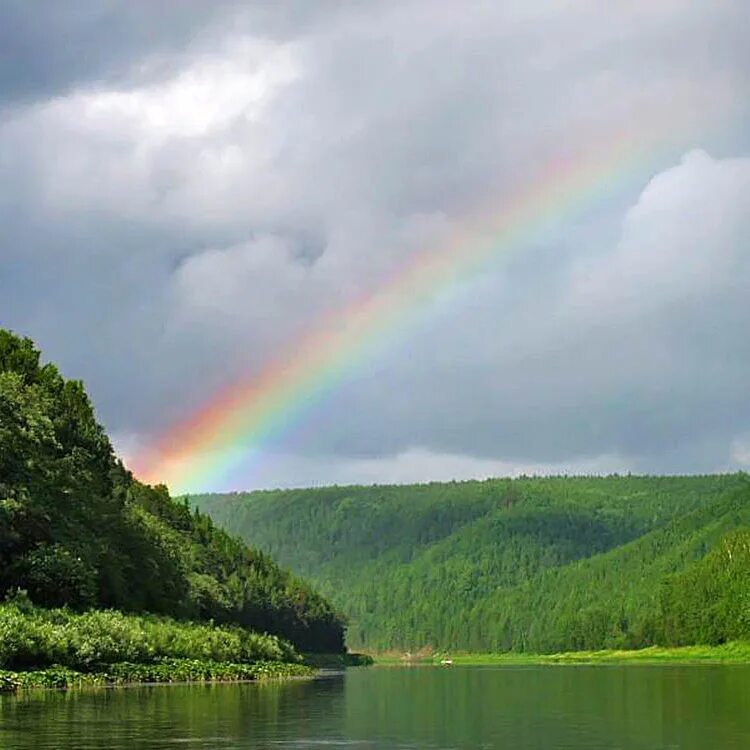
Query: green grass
[(736, 652)]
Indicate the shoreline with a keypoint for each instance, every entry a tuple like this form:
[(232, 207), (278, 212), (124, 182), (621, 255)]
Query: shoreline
[(172, 672), (735, 652), (200, 672), (166, 672)]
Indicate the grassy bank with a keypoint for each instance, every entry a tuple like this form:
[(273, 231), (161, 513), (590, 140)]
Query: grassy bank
[(165, 671), (60, 648), (736, 652), (33, 637)]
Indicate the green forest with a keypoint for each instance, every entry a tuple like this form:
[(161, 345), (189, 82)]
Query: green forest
[(78, 531), (526, 565), (90, 556)]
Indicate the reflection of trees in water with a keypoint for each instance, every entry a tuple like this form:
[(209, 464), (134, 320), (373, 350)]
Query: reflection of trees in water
[(524, 708), (138, 717), (304, 708)]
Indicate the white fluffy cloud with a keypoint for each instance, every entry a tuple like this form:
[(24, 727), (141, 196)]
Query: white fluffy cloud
[(685, 238)]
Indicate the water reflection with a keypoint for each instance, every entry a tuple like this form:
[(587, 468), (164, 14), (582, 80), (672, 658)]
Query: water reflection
[(555, 708)]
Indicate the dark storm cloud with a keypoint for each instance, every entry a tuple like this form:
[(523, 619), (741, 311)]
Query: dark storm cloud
[(49, 47), (185, 187)]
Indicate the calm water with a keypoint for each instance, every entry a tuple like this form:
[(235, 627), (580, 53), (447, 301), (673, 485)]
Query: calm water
[(544, 708)]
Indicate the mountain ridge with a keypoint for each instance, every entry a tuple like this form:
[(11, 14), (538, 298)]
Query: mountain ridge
[(542, 564)]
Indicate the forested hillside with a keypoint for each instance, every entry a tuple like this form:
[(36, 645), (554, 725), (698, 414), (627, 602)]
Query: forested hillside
[(76, 529), (533, 564)]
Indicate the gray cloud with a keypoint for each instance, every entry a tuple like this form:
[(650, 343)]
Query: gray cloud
[(51, 49), (185, 191)]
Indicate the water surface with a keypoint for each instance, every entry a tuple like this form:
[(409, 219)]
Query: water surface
[(518, 708)]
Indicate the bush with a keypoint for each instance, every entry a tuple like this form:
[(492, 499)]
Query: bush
[(27, 641), (165, 670), (36, 637), (100, 637)]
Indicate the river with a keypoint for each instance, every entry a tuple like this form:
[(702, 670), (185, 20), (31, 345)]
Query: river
[(516, 708)]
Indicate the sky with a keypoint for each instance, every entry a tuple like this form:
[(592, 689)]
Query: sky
[(188, 188)]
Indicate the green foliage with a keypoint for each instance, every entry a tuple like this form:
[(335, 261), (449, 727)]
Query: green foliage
[(9, 682), (76, 529), (710, 601), (37, 637), (529, 565), (164, 670), (55, 575), (339, 661)]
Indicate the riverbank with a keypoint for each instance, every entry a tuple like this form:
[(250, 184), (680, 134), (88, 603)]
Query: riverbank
[(162, 672), (736, 652), (59, 648), (338, 661)]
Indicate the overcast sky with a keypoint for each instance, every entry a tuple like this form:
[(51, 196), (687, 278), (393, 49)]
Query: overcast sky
[(187, 187)]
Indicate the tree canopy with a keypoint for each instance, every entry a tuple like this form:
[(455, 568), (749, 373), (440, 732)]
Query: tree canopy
[(77, 529), (532, 564)]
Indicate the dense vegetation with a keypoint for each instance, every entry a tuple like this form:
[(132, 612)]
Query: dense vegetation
[(36, 637), (77, 530), (533, 564), (61, 648), (164, 670), (710, 601)]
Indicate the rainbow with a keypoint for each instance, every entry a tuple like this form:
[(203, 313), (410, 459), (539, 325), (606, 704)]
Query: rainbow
[(239, 422)]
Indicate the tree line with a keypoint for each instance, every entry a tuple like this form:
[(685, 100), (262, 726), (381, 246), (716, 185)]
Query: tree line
[(530, 564), (78, 530)]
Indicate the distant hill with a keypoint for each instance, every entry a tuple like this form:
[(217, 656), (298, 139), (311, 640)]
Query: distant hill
[(76, 529), (532, 564)]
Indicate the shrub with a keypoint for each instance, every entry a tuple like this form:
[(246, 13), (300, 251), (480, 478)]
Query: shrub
[(36, 637)]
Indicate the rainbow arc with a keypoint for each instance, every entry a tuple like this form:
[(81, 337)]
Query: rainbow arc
[(238, 423)]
